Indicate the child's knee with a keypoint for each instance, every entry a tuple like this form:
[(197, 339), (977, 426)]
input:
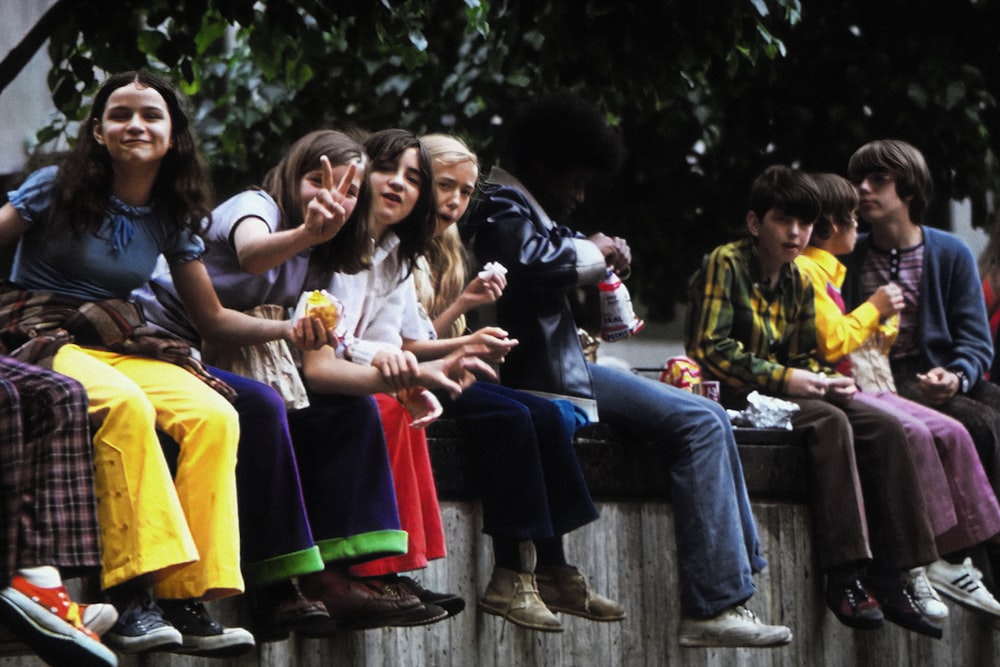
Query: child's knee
[(127, 405), (219, 421)]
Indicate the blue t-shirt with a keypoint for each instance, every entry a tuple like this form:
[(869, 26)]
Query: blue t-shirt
[(108, 263)]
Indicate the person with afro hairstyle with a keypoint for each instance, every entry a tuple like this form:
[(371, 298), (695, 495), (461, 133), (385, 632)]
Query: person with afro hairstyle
[(556, 145)]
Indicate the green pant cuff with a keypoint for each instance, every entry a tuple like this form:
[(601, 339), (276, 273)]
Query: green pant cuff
[(285, 566), (365, 546)]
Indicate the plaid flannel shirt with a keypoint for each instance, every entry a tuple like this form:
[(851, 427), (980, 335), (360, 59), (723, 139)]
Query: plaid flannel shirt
[(742, 332)]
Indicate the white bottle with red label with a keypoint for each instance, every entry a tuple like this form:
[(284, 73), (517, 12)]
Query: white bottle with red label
[(618, 319)]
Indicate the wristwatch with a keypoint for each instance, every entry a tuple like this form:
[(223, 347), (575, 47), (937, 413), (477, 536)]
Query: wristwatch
[(963, 381)]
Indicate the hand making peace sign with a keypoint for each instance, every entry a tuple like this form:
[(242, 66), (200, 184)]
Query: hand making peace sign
[(327, 212)]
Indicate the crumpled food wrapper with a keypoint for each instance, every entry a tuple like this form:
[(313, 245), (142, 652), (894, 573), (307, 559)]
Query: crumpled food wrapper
[(491, 269), (764, 412)]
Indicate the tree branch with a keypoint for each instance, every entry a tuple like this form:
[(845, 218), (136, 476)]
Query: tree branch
[(18, 58)]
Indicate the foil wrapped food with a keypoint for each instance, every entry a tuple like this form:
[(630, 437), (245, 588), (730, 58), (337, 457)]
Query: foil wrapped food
[(764, 412)]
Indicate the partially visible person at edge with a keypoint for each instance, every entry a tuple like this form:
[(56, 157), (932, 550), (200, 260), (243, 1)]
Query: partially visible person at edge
[(752, 327), (48, 517), (556, 145), (961, 505), (989, 272), (89, 230), (518, 435), (944, 346), (265, 248)]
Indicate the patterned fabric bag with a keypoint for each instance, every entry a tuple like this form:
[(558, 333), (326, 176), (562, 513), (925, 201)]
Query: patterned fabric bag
[(870, 366), (271, 363)]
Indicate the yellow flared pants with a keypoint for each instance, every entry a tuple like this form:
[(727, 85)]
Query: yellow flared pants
[(184, 530)]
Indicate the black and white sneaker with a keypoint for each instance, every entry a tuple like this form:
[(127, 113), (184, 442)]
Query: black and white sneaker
[(203, 635), (141, 628), (964, 584)]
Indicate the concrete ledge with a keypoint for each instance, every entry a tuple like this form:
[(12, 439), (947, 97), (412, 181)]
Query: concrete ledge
[(628, 554), (619, 467)]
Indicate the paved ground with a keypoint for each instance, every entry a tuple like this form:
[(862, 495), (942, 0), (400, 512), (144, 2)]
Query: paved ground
[(649, 349)]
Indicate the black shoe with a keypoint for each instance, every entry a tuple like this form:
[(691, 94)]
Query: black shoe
[(898, 606), (853, 605), (203, 635), (141, 628), (450, 602)]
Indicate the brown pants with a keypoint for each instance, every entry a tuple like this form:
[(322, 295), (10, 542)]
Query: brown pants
[(866, 499)]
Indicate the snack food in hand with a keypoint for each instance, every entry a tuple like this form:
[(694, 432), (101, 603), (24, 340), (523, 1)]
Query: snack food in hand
[(321, 305)]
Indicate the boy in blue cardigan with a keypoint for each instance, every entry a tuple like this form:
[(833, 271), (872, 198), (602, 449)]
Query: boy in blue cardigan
[(944, 342)]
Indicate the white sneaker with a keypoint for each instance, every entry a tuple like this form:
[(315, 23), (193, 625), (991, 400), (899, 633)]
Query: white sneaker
[(962, 583), (736, 626), (924, 595)]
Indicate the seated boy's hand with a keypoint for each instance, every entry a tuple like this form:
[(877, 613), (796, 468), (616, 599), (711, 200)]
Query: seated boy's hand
[(806, 384), (938, 385), (840, 389), (887, 299), (616, 251)]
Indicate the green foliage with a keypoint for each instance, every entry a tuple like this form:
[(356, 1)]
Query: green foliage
[(705, 93)]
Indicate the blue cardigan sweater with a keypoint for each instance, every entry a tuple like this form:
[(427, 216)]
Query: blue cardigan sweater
[(953, 329)]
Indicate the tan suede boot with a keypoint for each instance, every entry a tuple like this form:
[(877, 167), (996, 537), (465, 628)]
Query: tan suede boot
[(512, 595), (564, 589)]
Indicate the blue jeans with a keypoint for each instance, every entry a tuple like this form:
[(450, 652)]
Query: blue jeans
[(717, 545)]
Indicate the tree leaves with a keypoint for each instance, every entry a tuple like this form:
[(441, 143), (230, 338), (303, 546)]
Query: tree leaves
[(705, 94)]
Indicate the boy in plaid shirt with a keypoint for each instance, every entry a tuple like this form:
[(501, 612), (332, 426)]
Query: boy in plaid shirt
[(753, 327)]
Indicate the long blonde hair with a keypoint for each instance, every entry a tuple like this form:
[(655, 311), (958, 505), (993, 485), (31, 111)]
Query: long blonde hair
[(447, 261)]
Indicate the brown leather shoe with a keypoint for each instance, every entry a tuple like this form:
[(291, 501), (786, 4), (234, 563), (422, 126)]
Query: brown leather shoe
[(360, 604), (562, 588), (512, 595), (280, 608)]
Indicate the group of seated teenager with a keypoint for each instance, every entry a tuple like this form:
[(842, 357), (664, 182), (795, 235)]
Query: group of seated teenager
[(214, 399), (881, 341)]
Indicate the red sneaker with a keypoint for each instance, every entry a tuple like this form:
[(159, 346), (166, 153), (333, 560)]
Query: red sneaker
[(51, 623)]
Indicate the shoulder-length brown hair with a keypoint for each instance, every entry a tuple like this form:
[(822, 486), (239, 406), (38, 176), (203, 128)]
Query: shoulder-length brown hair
[(83, 184), (415, 230), (349, 251)]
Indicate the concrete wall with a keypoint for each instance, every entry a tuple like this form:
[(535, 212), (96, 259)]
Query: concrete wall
[(25, 103)]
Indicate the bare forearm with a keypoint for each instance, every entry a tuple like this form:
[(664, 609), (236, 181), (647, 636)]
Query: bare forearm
[(230, 327), (264, 253), (325, 373), (443, 322), (433, 349)]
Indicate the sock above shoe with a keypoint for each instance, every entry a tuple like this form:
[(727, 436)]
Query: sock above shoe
[(48, 621)]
